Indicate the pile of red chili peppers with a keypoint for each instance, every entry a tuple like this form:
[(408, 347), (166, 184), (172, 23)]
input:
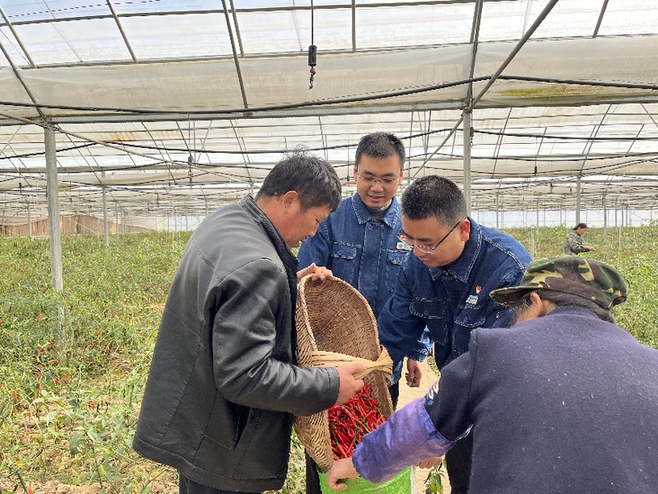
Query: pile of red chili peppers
[(349, 422)]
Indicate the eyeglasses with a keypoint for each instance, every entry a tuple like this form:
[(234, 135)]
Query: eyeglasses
[(386, 182), (425, 248)]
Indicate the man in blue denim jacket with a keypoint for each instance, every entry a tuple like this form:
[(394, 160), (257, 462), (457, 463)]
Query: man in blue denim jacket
[(359, 242), (445, 287)]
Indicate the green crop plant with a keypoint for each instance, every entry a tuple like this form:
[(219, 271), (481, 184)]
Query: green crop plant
[(68, 409)]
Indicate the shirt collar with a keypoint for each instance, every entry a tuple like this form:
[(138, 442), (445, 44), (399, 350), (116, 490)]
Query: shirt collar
[(462, 267), (363, 214)]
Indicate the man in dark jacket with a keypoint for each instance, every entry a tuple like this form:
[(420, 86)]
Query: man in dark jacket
[(564, 401), (223, 385)]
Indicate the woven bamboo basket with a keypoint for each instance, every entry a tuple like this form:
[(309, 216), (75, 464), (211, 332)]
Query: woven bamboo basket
[(336, 325)]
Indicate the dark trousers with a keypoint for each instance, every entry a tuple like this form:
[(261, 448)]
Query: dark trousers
[(187, 486), (394, 391), (312, 476), (458, 462)]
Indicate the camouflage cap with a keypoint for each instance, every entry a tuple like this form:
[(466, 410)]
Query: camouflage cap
[(585, 278)]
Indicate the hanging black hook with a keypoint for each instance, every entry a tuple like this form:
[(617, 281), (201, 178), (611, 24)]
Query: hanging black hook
[(312, 62), (312, 51), (190, 162)]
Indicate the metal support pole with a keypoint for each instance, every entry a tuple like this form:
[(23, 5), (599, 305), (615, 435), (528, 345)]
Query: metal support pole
[(497, 212), (629, 219), (605, 220), (621, 222), (53, 210), (616, 212), (622, 215), (116, 218), (538, 216), (467, 160), (52, 190), (29, 221), (578, 190), (105, 222)]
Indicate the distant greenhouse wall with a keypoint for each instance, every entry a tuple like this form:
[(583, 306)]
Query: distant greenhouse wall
[(71, 225), (547, 218)]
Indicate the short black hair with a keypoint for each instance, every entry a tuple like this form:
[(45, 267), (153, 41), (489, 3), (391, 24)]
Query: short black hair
[(580, 225), (313, 178), (434, 196), (562, 299), (380, 145)]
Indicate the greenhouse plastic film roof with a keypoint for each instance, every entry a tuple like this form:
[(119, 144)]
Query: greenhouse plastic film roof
[(169, 105)]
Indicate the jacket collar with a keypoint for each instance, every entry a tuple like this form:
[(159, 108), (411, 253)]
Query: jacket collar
[(286, 255), (462, 267), (363, 214)]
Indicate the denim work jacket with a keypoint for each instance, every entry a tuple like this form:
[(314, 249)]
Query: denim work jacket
[(360, 250), (452, 301)]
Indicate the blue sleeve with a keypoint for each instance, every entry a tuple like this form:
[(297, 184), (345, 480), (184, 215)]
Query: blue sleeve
[(422, 348), (399, 330), (406, 438), (316, 249)]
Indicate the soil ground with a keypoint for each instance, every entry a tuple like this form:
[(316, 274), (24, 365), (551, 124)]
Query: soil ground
[(52, 487), (408, 394)]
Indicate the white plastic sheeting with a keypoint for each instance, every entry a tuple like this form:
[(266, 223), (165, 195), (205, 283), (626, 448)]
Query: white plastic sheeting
[(171, 104)]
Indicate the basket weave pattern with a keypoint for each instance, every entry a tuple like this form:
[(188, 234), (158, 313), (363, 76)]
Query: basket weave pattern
[(334, 318)]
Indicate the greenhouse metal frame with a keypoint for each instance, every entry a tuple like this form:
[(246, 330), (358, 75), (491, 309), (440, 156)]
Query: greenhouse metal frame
[(147, 109)]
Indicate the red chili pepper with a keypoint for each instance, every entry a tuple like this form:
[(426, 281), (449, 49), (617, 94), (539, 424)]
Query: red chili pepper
[(349, 422), (343, 454)]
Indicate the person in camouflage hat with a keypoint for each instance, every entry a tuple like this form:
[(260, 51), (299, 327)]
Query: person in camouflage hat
[(585, 278), (563, 401)]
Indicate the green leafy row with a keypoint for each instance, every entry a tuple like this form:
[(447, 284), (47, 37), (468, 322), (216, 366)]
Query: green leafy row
[(73, 364)]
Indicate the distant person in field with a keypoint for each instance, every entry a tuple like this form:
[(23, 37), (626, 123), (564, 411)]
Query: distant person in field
[(562, 402), (223, 385), (574, 243)]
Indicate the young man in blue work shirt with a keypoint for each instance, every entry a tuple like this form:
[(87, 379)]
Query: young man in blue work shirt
[(445, 287), (359, 242)]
